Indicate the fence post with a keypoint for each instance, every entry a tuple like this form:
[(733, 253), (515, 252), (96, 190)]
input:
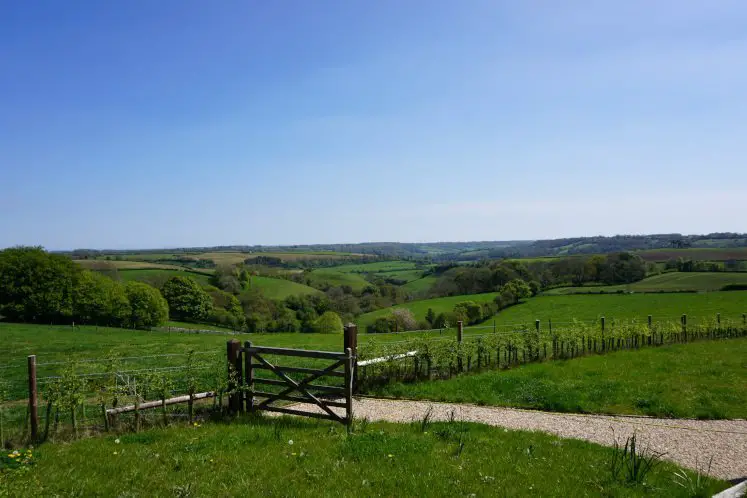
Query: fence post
[(684, 327), (350, 341), (650, 329), (33, 407), (460, 332), (249, 378), (350, 364), (233, 353), (604, 343)]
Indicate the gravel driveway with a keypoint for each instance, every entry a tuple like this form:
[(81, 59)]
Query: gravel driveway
[(690, 443)]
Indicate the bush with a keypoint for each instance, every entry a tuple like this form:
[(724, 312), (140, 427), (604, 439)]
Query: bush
[(329, 323)]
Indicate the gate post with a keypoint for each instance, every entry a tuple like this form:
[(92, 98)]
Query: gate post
[(248, 378), (233, 352), (350, 362), (350, 341)]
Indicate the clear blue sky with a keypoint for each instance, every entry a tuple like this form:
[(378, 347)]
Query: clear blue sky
[(143, 123)]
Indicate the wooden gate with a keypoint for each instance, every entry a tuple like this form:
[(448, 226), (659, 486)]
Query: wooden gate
[(299, 391)]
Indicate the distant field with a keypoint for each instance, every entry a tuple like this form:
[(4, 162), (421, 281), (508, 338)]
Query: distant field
[(278, 288), (673, 281), (103, 265), (703, 254), (420, 308), (156, 277), (406, 271), (334, 278), (710, 382), (625, 306), (421, 286)]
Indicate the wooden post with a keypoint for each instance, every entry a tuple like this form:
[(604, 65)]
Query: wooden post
[(350, 341), (349, 369), (33, 407), (460, 332), (604, 343), (233, 353), (249, 378), (684, 327)]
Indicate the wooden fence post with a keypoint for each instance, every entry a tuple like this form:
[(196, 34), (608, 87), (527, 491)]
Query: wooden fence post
[(233, 353), (249, 378), (604, 345), (460, 332), (33, 407), (684, 327), (350, 364), (650, 329), (350, 341)]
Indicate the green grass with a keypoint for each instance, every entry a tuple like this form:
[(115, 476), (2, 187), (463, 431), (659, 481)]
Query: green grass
[(195, 326), (421, 286), (672, 281), (335, 278), (279, 288), (625, 306), (420, 308), (706, 379), (695, 253), (254, 457), (154, 276)]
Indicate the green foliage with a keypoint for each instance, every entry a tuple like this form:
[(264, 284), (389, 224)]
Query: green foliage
[(632, 464), (469, 312), (100, 300), (148, 308), (36, 286), (186, 299), (329, 323)]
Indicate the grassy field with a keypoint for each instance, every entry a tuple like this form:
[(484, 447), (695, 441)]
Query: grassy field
[(625, 306), (706, 379), (695, 253), (672, 281), (421, 286), (334, 278), (285, 457), (406, 271), (155, 276), (279, 288), (420, 308)]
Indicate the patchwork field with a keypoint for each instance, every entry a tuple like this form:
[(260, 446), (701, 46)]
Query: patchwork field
[(666, 282)]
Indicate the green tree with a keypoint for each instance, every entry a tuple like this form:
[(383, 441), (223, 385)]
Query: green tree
[(148, 308), (430, 316), (187, 300), (100, 300), (470, 311), (36, 286), (329, 323)]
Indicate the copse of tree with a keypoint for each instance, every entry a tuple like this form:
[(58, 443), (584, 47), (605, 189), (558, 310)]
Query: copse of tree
[(100, 300), (186, 299), (329, 323), (36, 286)]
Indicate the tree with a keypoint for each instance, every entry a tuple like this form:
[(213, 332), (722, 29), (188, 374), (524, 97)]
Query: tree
[(403, 319), (187, 300), (148, 308), (430, 316), (329, 323), (470, 311), (100, 300), (36, 286)]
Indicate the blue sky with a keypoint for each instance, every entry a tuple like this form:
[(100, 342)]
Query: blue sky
[(180, 123)]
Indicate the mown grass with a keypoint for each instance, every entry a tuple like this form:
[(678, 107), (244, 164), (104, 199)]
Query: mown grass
[(666, 282), (278, 288), (625, 306), (706, 379), (285, 457)]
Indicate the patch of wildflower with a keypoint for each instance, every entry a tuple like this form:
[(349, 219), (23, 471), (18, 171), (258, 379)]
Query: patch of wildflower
[(16, 460)]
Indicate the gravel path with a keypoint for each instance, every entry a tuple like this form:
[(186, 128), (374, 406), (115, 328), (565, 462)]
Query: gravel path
[(690, 443)]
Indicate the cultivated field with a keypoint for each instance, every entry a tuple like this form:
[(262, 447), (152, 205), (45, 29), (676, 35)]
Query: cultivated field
[(666, 282)]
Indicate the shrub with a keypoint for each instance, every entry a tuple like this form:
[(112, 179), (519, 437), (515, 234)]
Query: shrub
[(329, 323)]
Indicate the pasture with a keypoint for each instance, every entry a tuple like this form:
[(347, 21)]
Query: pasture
[(421, 286), (286, 457), (156, 277), (334, 278), (102, 265), (705, 379), (666, 282), (695, 253), (279, 288)]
